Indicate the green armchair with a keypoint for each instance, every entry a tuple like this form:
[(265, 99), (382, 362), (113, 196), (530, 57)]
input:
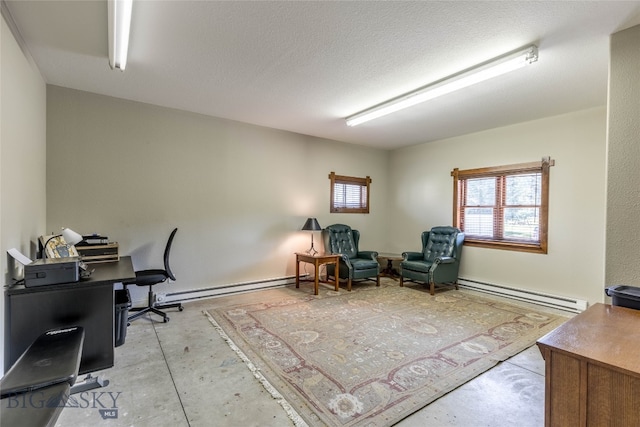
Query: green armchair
[(354, 263), (439, 261)]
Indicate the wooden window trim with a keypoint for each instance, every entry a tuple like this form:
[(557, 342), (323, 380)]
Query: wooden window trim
[(343, 179), (508, 170)]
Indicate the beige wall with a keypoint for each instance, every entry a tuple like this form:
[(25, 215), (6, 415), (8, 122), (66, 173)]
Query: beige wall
[(238, 193), (423, 197), (22, 157), (623, 160)]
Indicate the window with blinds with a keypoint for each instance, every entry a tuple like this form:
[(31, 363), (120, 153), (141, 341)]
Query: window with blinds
[(349, 194), (504, 207)]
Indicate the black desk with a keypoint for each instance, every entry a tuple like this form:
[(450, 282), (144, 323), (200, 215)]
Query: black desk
[(88, 303)]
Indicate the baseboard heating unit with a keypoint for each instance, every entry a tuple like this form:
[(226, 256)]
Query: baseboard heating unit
[(224, 290), (562, 303)]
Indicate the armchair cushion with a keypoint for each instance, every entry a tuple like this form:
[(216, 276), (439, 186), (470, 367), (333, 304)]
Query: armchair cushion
[(441, 242), (364, 264), (342, 241), (354, 263), (421, 266), (439, 260)]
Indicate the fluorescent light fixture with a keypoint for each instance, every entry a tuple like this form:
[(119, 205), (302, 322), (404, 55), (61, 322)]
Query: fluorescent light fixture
[(487, 70), (119, 12)]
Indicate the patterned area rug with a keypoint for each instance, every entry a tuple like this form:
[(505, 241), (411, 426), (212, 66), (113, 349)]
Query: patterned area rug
[(373, 356)]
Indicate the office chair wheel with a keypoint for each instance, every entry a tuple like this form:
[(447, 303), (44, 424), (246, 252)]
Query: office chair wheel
[(181, 308), (166, 319)]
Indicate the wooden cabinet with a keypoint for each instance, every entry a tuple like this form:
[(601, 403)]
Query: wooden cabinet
[(592, 369)]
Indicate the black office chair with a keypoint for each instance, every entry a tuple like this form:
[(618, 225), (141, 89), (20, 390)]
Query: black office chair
[(153, 277)]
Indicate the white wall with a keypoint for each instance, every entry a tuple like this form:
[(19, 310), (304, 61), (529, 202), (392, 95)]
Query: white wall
[(238, 193), (420, 177), (623, 155), (22, 157)]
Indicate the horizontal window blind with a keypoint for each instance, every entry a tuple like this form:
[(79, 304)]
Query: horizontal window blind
[(349, 194)]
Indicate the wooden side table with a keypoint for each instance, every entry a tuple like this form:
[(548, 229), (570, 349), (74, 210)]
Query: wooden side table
[(317, 260), (389, 271)]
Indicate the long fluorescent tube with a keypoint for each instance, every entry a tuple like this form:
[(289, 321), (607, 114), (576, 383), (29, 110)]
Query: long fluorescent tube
[(119, 12), (468, 77)]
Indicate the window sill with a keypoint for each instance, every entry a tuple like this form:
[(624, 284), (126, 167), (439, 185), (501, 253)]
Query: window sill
[(508, 246)]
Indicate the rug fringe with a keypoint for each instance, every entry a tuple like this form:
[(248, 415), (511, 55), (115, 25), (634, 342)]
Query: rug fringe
[(291, 412)]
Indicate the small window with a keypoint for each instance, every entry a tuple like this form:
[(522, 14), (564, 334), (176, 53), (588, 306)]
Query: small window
[(504, 207), (349, 194)]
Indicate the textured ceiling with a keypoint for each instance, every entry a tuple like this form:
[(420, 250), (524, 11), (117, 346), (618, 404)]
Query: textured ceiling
[(304, 66)]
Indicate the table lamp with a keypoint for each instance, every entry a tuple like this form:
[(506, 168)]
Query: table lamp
[(311, 225)]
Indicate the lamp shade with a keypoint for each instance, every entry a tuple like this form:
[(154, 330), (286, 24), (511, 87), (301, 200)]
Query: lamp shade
[(71, 237), (311, 225)]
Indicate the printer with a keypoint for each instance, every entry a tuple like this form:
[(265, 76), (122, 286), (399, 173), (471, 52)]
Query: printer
[(51, 271)]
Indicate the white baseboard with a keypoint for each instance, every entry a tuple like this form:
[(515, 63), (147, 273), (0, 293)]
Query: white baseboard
[(563, 303), (223, 290), (555, 301)]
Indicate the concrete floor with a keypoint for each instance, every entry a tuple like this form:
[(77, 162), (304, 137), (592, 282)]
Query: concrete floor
[(182, 373)]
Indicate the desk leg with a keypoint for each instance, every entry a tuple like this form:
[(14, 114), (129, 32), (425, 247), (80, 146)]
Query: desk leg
[(315, 288), (337, 275), (297, 272)]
